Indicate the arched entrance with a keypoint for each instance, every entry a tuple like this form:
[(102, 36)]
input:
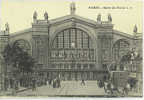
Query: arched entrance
[(24, 44), (120, 48), (23, 79)]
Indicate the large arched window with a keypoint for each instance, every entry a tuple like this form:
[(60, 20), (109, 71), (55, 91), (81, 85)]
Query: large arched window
[(120, 48), (24, 45), (72, 38), (73, 46)]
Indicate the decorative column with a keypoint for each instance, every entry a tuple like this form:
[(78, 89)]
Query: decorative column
[(109, 18), (99, 18), (4, 40), (49, 48), (35, 17)]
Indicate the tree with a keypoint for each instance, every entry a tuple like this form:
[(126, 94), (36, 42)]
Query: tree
[(17, 59)]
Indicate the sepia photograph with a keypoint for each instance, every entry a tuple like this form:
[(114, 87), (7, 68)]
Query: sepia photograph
[(71, 48)]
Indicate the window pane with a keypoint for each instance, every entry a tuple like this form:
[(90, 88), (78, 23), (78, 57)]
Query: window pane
[(72, 38), (66, 38), (79, 39)]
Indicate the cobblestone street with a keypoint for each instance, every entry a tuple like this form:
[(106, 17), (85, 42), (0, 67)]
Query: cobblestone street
[(68, 88)]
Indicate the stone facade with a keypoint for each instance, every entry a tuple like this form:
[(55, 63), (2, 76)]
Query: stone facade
[(4, 39), (74, 47)]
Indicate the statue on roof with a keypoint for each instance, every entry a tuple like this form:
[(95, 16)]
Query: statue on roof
[(135, 29), (46, 16), (7, 27), (35, 16), (72, 8), (109, 18), (99, 17)]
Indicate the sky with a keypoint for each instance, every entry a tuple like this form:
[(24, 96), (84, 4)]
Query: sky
[(19, 13)]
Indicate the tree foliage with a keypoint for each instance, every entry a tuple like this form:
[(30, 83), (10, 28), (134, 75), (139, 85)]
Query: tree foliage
[(17, 58)]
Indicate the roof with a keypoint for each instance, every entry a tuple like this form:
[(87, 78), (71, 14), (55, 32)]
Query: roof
[(73, 16), (67, 17), (21, 32), (139, 35), (122, 33)]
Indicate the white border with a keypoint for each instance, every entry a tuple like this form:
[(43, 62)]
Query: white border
[(78, 98)]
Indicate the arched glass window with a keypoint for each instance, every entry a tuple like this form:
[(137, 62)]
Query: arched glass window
[(120, 48), (72, 38)]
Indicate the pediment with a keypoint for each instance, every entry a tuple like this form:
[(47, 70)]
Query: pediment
[(73, 18)]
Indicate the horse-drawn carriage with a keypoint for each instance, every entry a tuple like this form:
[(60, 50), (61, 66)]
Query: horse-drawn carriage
[(119, 78), (118, 83)]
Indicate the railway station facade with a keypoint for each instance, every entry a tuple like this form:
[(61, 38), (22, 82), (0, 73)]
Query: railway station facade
[(74, 47)]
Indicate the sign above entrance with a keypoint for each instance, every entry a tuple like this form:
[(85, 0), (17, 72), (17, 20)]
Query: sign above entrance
[(73, 54)]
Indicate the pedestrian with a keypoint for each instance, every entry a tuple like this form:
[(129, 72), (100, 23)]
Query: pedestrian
[(34, 85), (59, 83), (16, 85), (104, 78), (50, 81), (82, 82), (47, 82), (105, 86), (109, 88), (126, 89), (54, 83), (100, 84)]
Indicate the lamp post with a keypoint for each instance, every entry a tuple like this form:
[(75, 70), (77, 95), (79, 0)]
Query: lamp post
[(48, 47), (14, 73)]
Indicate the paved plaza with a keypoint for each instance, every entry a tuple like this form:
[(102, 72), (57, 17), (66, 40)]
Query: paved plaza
[(68, 88)]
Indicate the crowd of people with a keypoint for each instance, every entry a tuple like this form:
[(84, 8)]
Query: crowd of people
[(105, 83), (114, 90), (55, 83)]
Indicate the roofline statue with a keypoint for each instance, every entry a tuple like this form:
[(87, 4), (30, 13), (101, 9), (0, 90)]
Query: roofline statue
[(7, 28), (72, 8), (99, 17), (46, 16), (35, 17), (135, 29), (109, 18)]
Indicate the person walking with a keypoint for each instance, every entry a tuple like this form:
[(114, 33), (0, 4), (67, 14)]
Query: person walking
[(54, 83), (101, 84), (59, 83), (105, 86), (82, 82), (126, 89), (33, 85), (50, 81), (109, 88), (47, 82)]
